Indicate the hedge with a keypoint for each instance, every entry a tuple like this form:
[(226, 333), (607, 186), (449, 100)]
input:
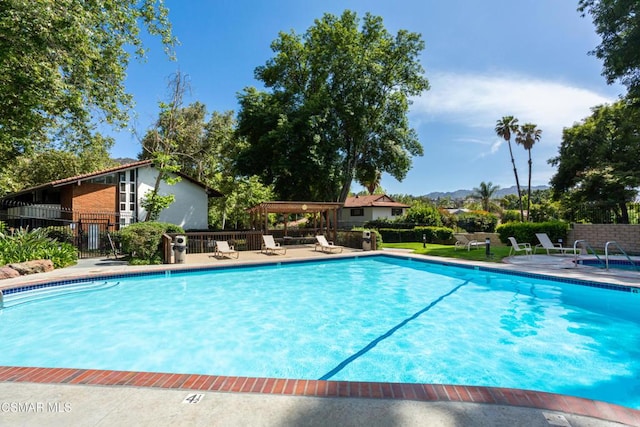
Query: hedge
[(525, 232), (442, 235)]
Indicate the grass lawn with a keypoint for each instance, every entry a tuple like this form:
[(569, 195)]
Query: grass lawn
[(497, 252)]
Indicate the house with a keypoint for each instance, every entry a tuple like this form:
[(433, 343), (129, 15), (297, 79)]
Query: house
[(360, 209), (112, 196)]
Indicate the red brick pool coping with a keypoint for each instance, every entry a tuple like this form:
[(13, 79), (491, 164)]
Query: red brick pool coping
[(319, 388)]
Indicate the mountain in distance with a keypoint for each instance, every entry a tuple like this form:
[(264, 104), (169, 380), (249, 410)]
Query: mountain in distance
[(463, 194)]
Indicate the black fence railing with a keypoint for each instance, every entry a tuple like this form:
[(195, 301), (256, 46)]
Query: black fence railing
[(87, 231), (604, 214)]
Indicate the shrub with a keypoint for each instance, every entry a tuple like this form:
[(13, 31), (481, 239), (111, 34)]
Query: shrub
[(60, 233), (526, 231), (510, 216), (432, 234), (478, 221), (24, 245), (143, 241), (424, 214)]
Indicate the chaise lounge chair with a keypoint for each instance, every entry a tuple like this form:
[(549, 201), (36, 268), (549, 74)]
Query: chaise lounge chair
[(463, 242), (269, 246), (522, 247), (223, 249), (546, 243), (326, 246)]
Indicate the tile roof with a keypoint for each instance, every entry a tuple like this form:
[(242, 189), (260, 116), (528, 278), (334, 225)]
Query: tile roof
[(120, 168), (373, 200)]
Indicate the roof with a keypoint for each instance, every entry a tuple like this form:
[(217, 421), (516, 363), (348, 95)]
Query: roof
[(135, 165), (294, 207), (373, 200)]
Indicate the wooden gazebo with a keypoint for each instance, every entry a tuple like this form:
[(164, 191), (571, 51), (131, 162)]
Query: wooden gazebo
[(325, 214)]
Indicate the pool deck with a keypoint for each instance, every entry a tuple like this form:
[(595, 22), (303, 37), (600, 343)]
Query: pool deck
[(69, 397)]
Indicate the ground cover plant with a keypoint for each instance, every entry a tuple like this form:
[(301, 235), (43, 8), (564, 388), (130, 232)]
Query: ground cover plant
[(21, 245)]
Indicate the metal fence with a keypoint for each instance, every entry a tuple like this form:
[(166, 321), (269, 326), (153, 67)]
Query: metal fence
[(87, 231), (593, 213)]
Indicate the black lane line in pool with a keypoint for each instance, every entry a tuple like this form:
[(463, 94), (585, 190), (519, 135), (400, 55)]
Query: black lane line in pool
[(387, 334)]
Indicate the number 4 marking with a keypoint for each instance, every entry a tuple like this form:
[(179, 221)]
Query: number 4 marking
[(193, 398)]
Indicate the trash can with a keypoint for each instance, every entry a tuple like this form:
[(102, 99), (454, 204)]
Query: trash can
[(179, 249), (366, 240)]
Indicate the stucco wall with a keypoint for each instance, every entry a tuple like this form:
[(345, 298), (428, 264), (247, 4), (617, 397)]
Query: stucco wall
[(597, 235), (190, 208), (370, 213)]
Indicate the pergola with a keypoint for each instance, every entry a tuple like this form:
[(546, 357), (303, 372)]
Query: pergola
[(325, 214)]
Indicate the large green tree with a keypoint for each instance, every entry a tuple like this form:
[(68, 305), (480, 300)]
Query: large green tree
[(336, 110), (206, 149), (598, 159), (63, 65), (618, 23)]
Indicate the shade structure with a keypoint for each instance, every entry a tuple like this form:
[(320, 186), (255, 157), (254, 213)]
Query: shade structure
[(325, 212)]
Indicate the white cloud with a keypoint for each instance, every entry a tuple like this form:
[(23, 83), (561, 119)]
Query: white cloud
[(478, 101)]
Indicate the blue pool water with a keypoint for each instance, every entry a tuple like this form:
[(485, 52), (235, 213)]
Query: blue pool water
[(368, 319)]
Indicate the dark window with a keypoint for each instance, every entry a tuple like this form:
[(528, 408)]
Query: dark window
[(396, 211), (357, 212)]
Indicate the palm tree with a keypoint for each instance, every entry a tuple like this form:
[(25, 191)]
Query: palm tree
[(485, 192), (527, 136), (505, 127)]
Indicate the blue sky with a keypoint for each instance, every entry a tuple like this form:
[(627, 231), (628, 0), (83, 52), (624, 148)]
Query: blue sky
[(484, 60)]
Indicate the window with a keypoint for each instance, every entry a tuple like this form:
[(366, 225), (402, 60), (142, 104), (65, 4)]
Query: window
[(396, 211), (357, 212)]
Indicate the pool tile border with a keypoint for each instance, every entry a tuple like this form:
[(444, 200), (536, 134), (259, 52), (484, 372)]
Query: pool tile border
[(329, 389), (40, 284)]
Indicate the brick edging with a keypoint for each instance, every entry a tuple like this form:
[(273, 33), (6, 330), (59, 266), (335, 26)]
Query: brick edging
[(320, 388)]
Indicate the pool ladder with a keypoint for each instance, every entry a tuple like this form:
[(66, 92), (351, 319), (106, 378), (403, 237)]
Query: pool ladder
[(604, 263), (606, 254)]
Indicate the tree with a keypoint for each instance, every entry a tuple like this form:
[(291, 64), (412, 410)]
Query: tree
[(527, 136), (206, 151), (598, 159), (485, 192), (63, 66), (506, 127), (618, 23), (162, 145), (337, 110)]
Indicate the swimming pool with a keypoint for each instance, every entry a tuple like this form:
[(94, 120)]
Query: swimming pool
[(371, 319)]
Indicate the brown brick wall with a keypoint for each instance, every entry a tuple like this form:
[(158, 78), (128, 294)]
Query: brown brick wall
[(94, 197), (597, 235)]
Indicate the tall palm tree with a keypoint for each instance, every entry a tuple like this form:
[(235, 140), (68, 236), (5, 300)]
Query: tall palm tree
[(505, 127), (485, 192), (527, 136)]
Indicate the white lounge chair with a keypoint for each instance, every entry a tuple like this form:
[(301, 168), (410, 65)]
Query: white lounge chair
[(269, 246), (522, 247), (463, 241), (223, 248), (326, 246), (548, 245)]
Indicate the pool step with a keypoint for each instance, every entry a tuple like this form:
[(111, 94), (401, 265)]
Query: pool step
[(18, 298)]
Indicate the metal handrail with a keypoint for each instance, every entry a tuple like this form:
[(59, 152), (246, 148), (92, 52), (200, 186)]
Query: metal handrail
[(587, 247), (606, 254)]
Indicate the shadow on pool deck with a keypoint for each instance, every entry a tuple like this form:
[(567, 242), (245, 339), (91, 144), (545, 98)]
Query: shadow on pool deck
[(102, 403)]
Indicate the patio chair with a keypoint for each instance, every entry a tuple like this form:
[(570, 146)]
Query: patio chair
[(224, 249), (548, 245), (326, 246), (522, 247), (463, 241), (269, 246)]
